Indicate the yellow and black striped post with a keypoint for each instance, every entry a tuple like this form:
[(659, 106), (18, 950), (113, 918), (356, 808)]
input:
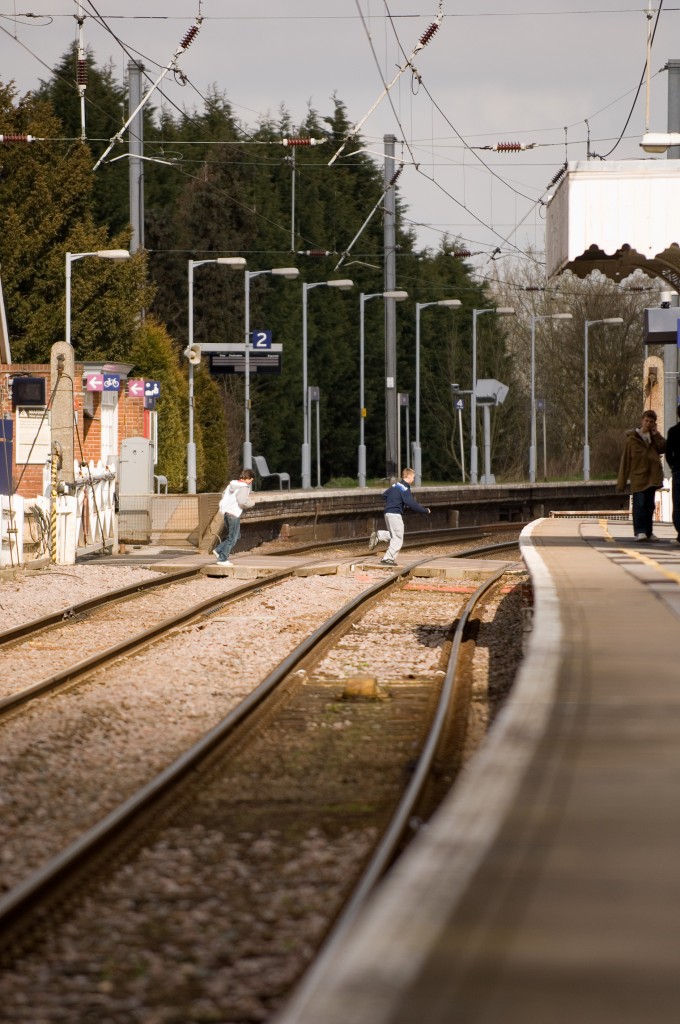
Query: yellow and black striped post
[(53, 505)]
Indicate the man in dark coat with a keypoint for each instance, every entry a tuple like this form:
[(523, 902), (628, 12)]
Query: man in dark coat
[(641, 464)]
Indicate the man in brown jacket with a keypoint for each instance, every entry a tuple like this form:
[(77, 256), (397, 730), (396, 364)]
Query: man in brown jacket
[(641, 464)]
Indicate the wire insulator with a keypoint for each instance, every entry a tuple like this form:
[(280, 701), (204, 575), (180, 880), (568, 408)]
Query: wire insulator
[(395, 176), (189, 37), (81, 72), (16, 137), (298, 142), (533, 288), (558, 176), (428, 33), (315, 252), (509, 147)]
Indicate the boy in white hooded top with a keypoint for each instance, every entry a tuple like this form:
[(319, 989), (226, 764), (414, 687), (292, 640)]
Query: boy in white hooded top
[(236, 497)]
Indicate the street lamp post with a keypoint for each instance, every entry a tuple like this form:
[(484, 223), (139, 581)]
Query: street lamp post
[(474, 452), (343, 284), (417, 455), (532, 447), (71, 257), (289, 273), (398, 296), (586, 446), (228, 261)]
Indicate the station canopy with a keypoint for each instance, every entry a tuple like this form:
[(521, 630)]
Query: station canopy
[(616, 217)]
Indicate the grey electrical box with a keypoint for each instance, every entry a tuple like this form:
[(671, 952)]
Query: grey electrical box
[(135, 472), (661, 326)]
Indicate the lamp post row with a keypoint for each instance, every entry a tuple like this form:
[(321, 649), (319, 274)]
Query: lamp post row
[(290, 273)]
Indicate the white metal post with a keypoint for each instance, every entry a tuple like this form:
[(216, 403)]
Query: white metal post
[(417, 451), (306, 457), (417, 458), (247, 447), (191, 447), (462, 446), (532, 447), (290, 273), (361, 452), (474, 450)]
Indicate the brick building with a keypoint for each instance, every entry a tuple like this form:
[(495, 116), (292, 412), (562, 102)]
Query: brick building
[(103, 419)]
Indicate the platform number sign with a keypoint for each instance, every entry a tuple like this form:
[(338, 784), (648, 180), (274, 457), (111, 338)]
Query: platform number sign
[(261, 339), (459, 403)]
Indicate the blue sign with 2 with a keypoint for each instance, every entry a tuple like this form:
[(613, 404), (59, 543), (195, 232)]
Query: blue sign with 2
[(261, 339)]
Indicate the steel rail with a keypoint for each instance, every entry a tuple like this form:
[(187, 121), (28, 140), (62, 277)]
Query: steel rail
[(34, 626), (43, 883), (68, 675), (386, 850)]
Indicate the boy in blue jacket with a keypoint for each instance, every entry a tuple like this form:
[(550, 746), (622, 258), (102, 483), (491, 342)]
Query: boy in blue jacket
[(397, 498)]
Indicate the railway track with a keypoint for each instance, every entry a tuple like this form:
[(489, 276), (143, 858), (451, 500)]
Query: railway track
[(299, 776)]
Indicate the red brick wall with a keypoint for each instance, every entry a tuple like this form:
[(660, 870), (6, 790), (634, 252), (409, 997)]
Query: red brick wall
[(28, 480)]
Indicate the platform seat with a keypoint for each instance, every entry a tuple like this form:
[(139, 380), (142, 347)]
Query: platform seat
[(265, 476)]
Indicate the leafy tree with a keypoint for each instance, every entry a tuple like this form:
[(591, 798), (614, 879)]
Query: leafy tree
[(45, 197), (153, 356)]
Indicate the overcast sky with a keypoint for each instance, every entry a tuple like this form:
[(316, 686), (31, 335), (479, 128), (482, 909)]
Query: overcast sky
[(542, 72)]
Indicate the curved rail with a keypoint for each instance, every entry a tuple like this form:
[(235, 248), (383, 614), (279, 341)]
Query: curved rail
[(388, 846)]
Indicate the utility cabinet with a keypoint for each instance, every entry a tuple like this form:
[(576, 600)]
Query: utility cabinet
[(135, 472)]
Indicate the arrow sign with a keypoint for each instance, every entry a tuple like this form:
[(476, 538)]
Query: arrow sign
[(136, 388), (95, 382)]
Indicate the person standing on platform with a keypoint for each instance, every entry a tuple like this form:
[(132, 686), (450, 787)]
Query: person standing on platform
[(673, 460), (397, 497), (235, 498), (641, 464)]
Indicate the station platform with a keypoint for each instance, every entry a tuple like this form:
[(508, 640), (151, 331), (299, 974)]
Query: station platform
[(546, 890)]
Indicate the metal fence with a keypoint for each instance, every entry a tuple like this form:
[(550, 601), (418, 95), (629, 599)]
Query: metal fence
[(172, 519)]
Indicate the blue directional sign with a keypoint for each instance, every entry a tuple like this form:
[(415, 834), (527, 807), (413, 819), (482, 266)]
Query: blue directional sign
[(152, 388), (540, 405), (261, 339), (111, 382), (459, 403)]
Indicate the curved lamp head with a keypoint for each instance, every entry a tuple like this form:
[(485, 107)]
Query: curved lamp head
[(659, 142), (451, 303), (290, 273), (343, 284), (505, 311), (232, 261), (112, 254), (398, 296)]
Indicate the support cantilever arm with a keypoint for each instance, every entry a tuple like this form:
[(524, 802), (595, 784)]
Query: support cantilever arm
[(408, 63), (184, 45)]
